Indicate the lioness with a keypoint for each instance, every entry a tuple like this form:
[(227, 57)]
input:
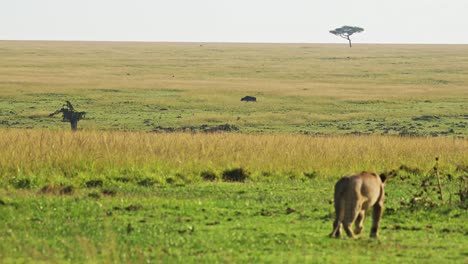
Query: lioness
[(353, 196)]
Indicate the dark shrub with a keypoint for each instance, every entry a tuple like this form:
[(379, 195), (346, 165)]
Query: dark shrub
[(94, 183), (133, 207), (209, 176), (23, 184), (170, 180), (67, 190), (122, 179), (311, 175), (235, 175), (147, 182), (109, 192), (56, 189)]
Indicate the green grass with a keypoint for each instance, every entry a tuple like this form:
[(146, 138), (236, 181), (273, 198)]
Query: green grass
[(114, 193), (301, 88), (221, 222)]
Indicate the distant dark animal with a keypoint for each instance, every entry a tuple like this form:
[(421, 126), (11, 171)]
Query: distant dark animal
[(249, 99)]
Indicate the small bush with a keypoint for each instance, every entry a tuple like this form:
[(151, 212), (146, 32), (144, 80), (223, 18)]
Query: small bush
[(411, 170), (109, 192), (170, 180), (67, 190), (310, 175), (22, 184), (133, 208), (147, 182), (57, 189), (122, 179), (235, 175), (209, 176), (94, 183)]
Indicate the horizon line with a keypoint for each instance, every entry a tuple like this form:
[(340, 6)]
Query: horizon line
[(229, 42)]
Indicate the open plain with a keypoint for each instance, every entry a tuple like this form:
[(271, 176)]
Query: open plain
[(170, 166)]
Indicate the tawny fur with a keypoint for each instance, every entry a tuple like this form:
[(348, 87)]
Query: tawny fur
[(353, 196)]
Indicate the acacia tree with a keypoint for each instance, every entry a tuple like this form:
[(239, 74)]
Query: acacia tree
[(346, 32), (70, 115)]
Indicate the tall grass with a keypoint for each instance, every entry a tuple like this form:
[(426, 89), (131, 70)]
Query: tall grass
[(48, 156)]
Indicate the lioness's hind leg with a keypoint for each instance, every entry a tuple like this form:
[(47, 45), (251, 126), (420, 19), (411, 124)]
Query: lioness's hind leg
[(339, 215), (336, 229), (351, 214), (359, 224), (376, 216)]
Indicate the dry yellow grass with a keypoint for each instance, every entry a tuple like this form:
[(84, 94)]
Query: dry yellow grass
[(363, 72), (45, 153)]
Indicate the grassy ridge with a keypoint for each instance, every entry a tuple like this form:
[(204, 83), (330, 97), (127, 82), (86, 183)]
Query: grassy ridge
[(327, 89), (47, 156)]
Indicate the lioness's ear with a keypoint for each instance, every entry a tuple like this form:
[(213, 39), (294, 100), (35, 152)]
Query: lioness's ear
[(383, 177)]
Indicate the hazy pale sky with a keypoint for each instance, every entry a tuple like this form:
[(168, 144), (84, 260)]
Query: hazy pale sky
[(384, 21)]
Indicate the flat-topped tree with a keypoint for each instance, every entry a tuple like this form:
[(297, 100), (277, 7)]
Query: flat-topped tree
[(346, 32), (70, 115)]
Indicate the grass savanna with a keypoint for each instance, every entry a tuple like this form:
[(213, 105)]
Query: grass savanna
[(306, 88), (93, 196), (113, 192), (45, 156)]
